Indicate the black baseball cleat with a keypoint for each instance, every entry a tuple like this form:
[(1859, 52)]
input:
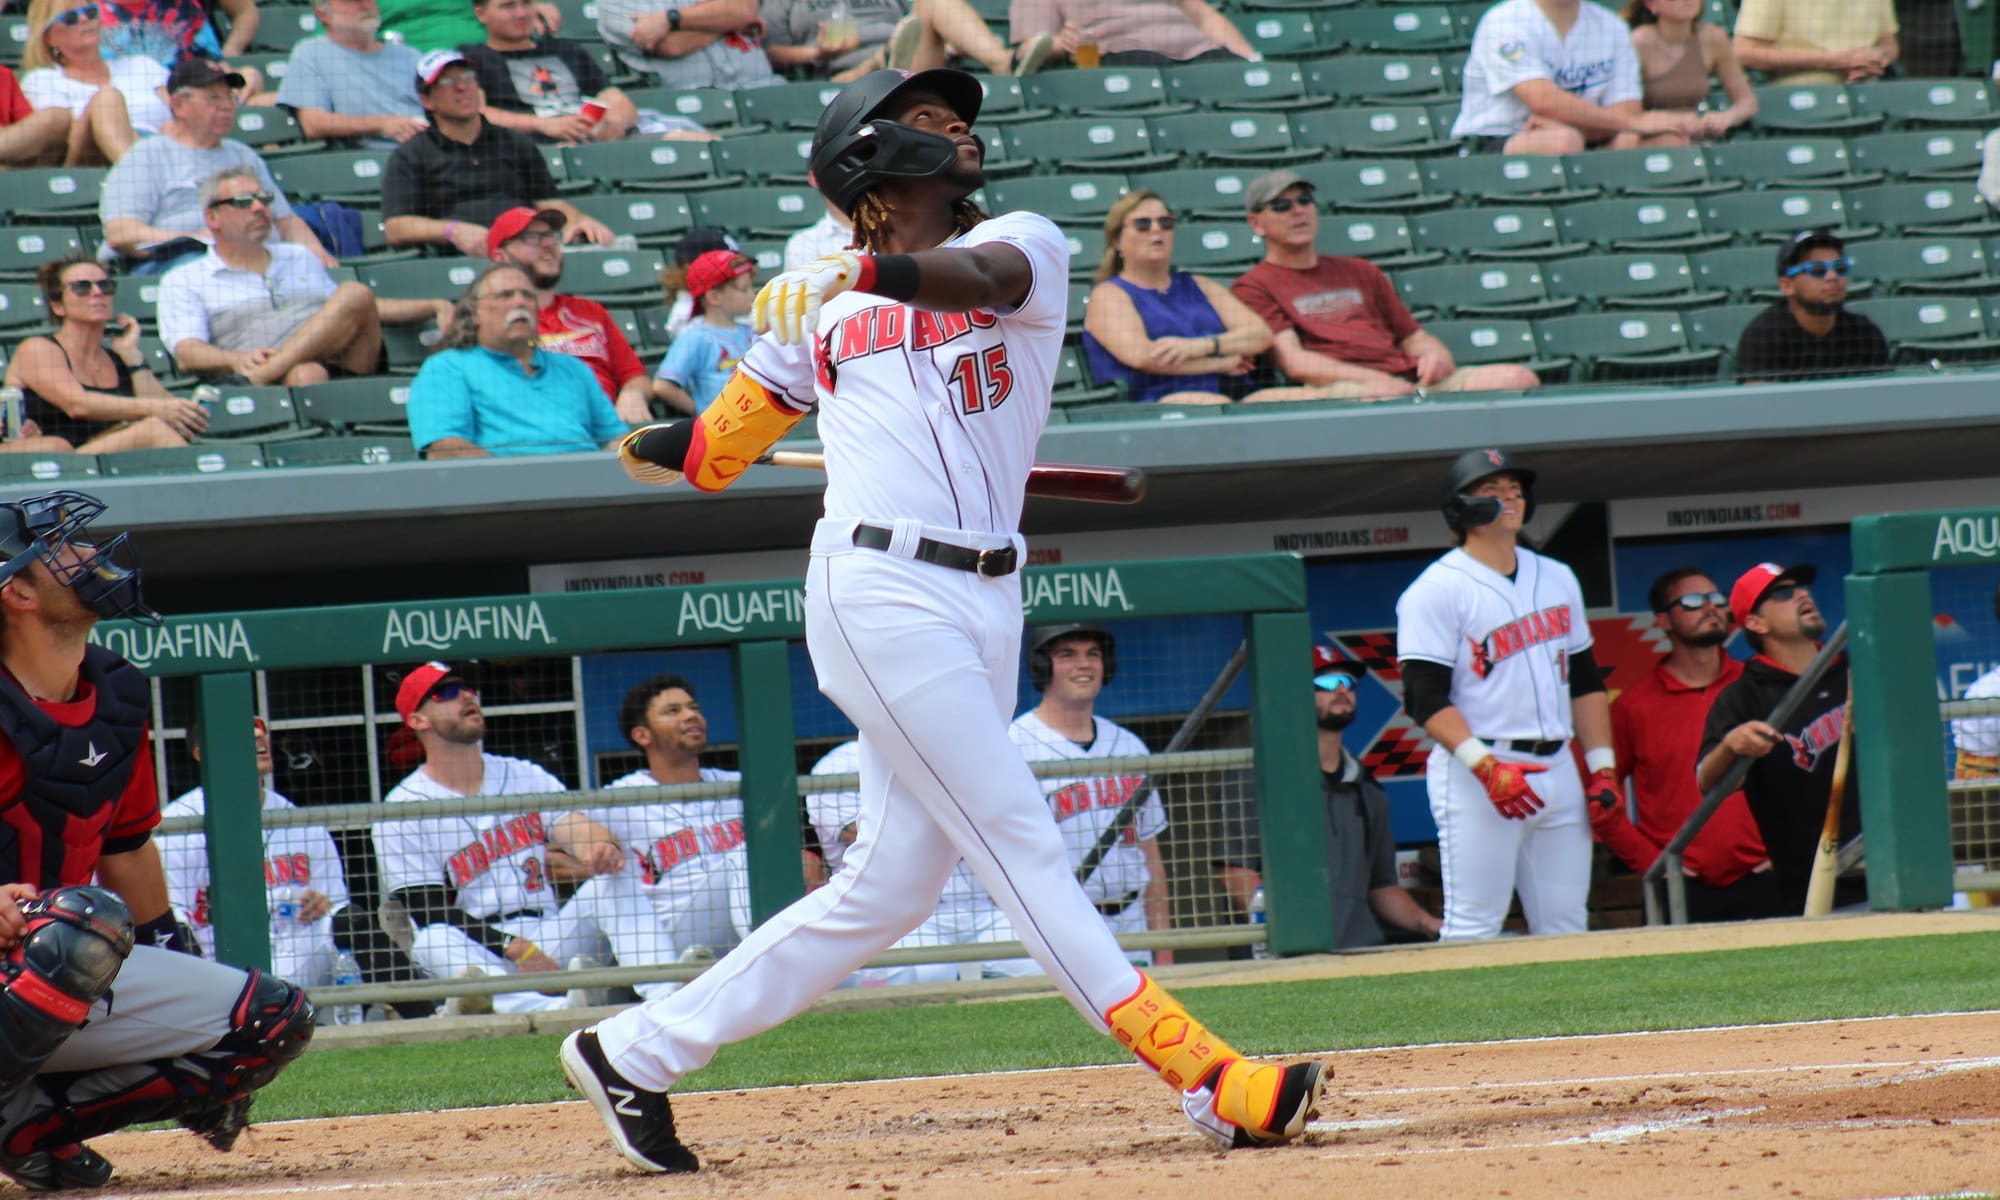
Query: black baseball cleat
[(641, 1123), (44, 1171)]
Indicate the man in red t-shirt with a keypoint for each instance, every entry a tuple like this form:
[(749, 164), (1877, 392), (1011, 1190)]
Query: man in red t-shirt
[(29, 138), (1339, 323), (531, 239), (1656, 725)]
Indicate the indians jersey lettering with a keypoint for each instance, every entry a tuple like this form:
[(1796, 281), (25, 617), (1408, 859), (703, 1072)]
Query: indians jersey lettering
[(296, 857), (942, 430), (498, 863), (1084, 808), (689, 853), (1507, 641)]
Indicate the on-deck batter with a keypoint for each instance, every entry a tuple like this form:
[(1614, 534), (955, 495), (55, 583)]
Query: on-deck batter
[(1497, 668), (931, 368)]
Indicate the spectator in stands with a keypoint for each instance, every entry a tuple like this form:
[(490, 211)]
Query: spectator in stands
[(172, 31), (151, 213), (710, 43), (97, 394), (29, 138), (1976, 740), (908, 35), (267, 312), (351, 86), (492, 390), (1810, 334), (1167, 335), (1131, 33), (572, 325), (722, 284), (538, 86), (34, 441), (1678, 54), (1338, 323), (1555, 77), (1656, 724), (111, 102), (445, 185), (831, 234), (427, 25), (673, 277), (1817, 41)]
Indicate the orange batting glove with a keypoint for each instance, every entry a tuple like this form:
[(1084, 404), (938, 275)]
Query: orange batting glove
[(1507, 786)]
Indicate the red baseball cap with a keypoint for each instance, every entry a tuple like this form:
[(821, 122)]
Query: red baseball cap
[(1752, 585), (1327, 660), (418, 685), (515, 221), (713, 269)]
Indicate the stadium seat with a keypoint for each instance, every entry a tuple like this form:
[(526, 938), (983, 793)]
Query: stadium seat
[(407, 346), (782, 157), (21, 307), (1662, 171), (1804, 161), (1633, 347), (1476, 343), (1370, 185), (1067, 199), (1918, 156), (368, 404), (766, 211), (1721, 327), (645, 166), (1228, 139), (1821, 108), (1927, 103), (714, 109), (272, 132), (1072, 384), (1393, 29), (1379, 79), (1216, 247), (653, 218), (1639, 223), (252, 412), (13, 37), (1947, 328), (1079, 304), (159, 358), (1382, 238), (1279, 34), (1087, 143), (1926, 266), (272, 63), (421, 278), (1086, 249), (1006, 101), (1400, 131), (1495, 289), (1201, 192), (350, 176), (789, 106), (1924, 209), (1613, 282), (1465, 14), (1504, 179), (611, 276), (280, 27), (1264, 87), (1510, 231), (207, 458), (1775, 214), (359, 450), (23, 248), (652, 328), (54, 194), (1746, 272), (17, 468), (1104, 91)]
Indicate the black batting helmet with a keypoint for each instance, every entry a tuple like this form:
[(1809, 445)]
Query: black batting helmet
[(105, 577), (1041, 669), (1463, 512), (853, 151)]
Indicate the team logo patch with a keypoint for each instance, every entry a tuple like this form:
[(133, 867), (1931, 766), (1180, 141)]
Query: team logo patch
[(1493, 456), (1513, 51)]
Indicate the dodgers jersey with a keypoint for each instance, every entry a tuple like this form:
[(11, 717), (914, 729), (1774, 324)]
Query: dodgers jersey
[(498, 862), (931, 416), (1516, 43), (682, 849), (1085, 805), (1507, 641), (295, 858)]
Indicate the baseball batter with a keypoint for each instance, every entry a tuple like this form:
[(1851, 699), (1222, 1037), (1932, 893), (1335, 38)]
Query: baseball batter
[(1497, 668), (929, 350), (97, 1033)]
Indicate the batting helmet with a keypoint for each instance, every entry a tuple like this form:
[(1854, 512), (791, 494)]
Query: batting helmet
[(1462, 511), (1042, 669), (853, 150), (104, 577)]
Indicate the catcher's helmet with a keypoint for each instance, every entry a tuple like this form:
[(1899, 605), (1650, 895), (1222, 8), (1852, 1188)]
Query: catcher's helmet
[(1463, 512), (1041, 668), (105, 577), (853, 151)]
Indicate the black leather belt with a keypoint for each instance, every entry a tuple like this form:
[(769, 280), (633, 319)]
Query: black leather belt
[(1112, 908), (517, 914), (990, 563), (1522, 746)]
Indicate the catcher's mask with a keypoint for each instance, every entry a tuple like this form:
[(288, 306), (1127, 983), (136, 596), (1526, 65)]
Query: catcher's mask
[(55, 529)]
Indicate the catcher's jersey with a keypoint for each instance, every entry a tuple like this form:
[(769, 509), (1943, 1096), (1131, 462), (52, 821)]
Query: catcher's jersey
[(1978, 738), (1507, 641), (498, 863), (1085, 806), (682, 850), (297, 858), (931, 416)]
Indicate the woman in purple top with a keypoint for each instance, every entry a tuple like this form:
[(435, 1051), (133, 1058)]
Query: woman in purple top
[(1167, 335)]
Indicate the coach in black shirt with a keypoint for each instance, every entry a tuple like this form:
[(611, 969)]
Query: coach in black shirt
[(1810, 334), (447, 183)]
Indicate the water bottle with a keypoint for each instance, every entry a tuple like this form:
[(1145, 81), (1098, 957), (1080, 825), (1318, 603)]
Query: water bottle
[(208, 396), (11, 401), (1259, 948), (346, 973)]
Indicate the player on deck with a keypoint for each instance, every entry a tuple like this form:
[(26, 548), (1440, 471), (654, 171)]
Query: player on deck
[(1497, 668), (930, 350)]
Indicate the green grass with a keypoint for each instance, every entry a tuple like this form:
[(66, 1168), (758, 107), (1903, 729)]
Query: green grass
[(1846, 979)]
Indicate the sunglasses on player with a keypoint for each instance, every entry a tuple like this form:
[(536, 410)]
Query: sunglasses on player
[(1696, 601), (1818, 268), (451, 691), (1334, 681), (1783, 592)]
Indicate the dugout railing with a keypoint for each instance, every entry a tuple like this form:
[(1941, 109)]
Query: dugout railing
[(224, 660)]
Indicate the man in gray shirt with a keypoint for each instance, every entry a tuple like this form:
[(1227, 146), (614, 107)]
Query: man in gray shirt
[(351, 85), (150, 208), (712, 43)]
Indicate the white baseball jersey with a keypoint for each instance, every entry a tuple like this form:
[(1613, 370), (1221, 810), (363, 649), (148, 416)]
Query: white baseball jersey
[(1085, 806), (688, 854), (497, 863), (1516, 43), (1977, 739), (296, 858), (832, 812), (1507, 641), (937, 414)]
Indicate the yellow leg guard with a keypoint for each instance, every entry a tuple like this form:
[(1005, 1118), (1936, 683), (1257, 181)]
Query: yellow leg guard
[(739, 425), (1154, 1026)]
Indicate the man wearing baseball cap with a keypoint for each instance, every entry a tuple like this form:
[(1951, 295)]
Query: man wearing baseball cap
[(1810, 334), (447, 183), (1339, 323), (723, 284), (1788, 789), (531, 239)]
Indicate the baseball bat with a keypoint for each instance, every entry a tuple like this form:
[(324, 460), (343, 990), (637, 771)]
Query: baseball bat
[(1826, 861), (1053, 481)]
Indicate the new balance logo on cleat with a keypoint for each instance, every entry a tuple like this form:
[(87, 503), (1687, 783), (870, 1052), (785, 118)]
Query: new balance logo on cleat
[(625, 1105), (641, 1123)]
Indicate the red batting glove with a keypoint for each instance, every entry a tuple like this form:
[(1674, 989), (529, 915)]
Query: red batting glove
[(1601, 790), (1507, 786)]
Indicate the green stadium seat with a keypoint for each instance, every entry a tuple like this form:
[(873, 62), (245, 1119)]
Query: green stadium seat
[(1948, 328), (645, 166), (1924, 209), (1370, 185), (789, 106), (1823, 108), (271, 63), (1086, 249), (1279, 34), (207, 458), (652, 327), (1927, 103), (13, 37), (18, 468), (1661, 171), (280, 27), (1465, 14), (1079, 304), (1006, 101), (22, 307), (1639, 223), (53, 194), (767, 253), (23, 248), (1926, 266), (1265, 86), (653, 218), (1216, 247), (1498, 231), (1396, 130), (1774, 214), (1379, 79), (1225, 139), (714, 109), (1805, 161), (1631, 347), (1918, 156), (273, 132), (1746, 272), (366, 450), (1504, 178), (367, 404), (251, 412), (1475, 343), (782, 157), (1721, 327), (159, 358), (407, 346), (1382, 238), (1068, 199), (350, 176), (579, 18), (613, 275), (1394, 29), (1087, 143), (1072, 384), (1495, 289), (1201, 192), (1614, 282), (1104, 91), (422, 278), (766, 211)]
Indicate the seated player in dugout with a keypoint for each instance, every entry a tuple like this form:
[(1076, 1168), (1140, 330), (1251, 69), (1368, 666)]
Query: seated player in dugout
[(1976, 740)]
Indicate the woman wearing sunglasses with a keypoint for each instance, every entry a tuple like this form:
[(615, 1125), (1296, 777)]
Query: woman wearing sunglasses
[(112, 102), (1169, 336), (99, 395)]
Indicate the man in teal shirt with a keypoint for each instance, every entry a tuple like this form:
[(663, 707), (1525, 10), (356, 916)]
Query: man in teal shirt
[(494, 392)]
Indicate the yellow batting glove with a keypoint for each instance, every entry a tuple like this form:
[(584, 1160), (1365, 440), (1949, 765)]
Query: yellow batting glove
[(788, 306)]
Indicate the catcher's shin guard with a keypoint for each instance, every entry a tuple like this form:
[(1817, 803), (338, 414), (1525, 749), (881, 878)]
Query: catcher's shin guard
[(1230, 1098)]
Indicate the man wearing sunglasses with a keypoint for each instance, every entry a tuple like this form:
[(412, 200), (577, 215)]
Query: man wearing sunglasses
[(1810, 334), (1656, 724), (1789, 784)]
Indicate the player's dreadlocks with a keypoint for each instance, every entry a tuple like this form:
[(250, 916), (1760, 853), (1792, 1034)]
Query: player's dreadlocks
[(872, 218)]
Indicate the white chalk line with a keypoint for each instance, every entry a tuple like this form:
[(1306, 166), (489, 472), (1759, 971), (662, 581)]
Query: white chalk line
[(1930, 1066)]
